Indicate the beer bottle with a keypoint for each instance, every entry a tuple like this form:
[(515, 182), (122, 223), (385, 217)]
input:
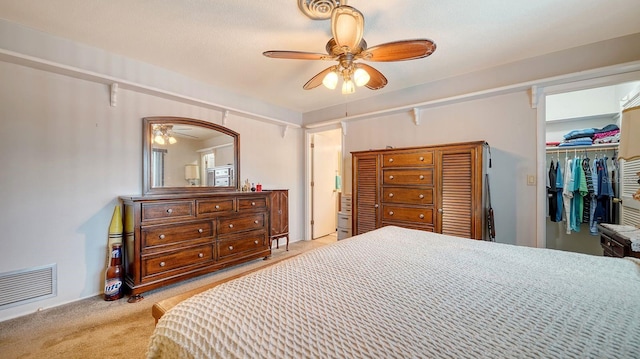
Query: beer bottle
[(113, 275)]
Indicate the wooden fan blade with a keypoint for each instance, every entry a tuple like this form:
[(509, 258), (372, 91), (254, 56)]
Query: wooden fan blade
[(400, 50), (347, 26), (297, 55), (317, 79), (377, 79)]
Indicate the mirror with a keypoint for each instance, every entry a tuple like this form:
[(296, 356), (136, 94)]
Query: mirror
[(183, 155)]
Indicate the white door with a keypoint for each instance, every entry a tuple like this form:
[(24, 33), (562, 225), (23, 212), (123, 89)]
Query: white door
[(325, 157)]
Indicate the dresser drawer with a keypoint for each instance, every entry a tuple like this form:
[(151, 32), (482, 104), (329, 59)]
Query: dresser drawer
[(170, 234), (414, 158), (214, 206), (177, 259), (241, 223), (421, 215), (344, 233), (222, 172), (165, 210), (611, 247), (422, 177), (234, 246), (254, 203), (344, 220), (408, 195)]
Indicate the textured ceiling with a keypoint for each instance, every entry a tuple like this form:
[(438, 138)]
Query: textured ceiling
[(221, 42)]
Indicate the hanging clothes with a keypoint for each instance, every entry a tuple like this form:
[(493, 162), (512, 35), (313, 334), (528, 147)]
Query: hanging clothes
[(559, 188), (605, 191), (587, 201), (593, 222), (567, 192), (580, 190), (552, 192)]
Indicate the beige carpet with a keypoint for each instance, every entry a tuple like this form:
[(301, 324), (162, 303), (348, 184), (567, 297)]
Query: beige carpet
[(94, 328)]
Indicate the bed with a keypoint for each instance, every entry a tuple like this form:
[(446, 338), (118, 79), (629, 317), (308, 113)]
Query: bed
[(402, 293)]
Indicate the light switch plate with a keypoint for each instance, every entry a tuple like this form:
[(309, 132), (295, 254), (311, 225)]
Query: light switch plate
[(531, 180)]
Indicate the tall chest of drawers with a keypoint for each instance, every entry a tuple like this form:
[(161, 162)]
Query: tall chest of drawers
[(431, 188), (170, 238)]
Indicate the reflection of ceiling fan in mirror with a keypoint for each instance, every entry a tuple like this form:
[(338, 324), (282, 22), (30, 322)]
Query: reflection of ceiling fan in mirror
[(347, 46)]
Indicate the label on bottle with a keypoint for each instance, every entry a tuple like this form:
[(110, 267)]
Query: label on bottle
[(112, 286), (115, 253)]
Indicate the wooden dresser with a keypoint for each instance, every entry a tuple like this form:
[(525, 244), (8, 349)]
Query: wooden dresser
[(614, 243), (279, 216), (169, 238), (431, 188)]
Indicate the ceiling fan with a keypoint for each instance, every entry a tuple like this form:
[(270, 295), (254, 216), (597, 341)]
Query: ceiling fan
[(347, 46)]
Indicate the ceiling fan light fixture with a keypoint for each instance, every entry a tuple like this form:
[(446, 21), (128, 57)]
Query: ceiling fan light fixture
[(330, 81), (159, 140), (348, 87), (172, 140), (347, 25), (361, 77)]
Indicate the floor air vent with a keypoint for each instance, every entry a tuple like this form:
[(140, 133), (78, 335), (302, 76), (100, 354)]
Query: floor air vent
[(27, 285)]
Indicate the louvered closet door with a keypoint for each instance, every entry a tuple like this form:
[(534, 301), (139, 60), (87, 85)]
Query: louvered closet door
[(630, 208), (459, 188), (365, 193)]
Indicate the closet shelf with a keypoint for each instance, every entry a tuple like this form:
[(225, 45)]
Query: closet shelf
[(596, 147)]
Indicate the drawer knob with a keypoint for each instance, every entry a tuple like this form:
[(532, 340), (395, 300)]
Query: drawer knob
[(253, 203), (421, 158), (256, 242), (390, 194), (169, 210), (162, 264), (391, 177), (256, 221), (390, 159), (200, 230), (217, 206), (375, 205), (200, 255), (421, 177), (440, 210), (230, 248), (161, 236), (231, 226), (391, 213), (421, 216), (421, 196)]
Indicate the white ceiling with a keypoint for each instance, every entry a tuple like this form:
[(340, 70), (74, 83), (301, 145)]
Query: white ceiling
[(221, 41)]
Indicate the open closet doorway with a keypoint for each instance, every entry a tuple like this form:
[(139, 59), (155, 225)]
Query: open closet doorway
[(325, 173), (582, 128)]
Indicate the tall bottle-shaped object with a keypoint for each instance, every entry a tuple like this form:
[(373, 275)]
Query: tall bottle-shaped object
[(113, 275), (113, 283)]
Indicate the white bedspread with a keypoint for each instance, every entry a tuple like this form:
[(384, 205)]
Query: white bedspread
[(400, 293)]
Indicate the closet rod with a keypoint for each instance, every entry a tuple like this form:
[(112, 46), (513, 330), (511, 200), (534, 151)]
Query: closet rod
[(583, 148)]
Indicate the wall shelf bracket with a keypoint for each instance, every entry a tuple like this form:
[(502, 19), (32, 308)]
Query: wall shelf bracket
[(344, 127), (534, 93), (416, 116), (225, 117), (114, 94)]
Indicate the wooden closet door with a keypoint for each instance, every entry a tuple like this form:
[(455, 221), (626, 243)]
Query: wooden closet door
[(460, 195), (365, 193)]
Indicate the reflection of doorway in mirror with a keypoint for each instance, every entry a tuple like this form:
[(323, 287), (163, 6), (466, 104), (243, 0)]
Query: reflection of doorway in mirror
[(158, 163), (208, 161)]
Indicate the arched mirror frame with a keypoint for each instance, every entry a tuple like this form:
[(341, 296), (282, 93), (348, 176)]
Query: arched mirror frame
[(147, 141)]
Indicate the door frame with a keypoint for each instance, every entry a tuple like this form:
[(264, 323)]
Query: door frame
[(308, 134), (600, 78)]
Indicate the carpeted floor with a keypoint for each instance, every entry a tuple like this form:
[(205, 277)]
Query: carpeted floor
[(94, 328)]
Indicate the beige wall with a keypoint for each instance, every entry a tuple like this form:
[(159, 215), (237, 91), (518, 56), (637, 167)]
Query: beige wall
[(506, 122), (66, 155)]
